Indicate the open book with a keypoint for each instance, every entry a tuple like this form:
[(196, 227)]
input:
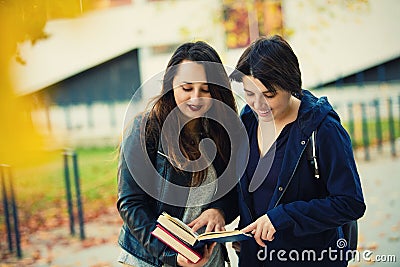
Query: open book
[(180, 237), (185, 233)]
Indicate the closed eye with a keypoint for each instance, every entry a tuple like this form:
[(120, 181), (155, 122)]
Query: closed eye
[(269, 94), (186, 87), (248, 93)]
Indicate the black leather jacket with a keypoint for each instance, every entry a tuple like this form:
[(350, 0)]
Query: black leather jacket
[(139, 210)]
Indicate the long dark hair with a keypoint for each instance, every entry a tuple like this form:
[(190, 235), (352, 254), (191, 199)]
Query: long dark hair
[(196, 129)]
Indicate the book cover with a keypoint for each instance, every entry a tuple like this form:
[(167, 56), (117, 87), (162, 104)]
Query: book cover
[(178, 228), (223, 236), (173, 242)]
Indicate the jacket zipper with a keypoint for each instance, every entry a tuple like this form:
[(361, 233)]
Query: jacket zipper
[(291, 177)]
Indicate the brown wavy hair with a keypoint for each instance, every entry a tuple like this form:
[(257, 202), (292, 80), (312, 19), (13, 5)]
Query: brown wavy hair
[(196, 129)]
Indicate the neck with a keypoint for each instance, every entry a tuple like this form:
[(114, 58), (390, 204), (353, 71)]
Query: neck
[(269, 131), (290, 114), (286, 117)]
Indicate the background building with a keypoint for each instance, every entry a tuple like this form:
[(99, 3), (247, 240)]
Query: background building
[(83, 74)]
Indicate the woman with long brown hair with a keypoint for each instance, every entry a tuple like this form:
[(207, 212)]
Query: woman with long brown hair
[(174, 156)]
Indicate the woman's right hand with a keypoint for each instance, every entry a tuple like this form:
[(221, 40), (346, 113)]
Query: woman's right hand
[(262, 229), (208, 249)]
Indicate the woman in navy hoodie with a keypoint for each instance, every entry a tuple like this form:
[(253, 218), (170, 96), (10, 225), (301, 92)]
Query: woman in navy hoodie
[(295, 214)]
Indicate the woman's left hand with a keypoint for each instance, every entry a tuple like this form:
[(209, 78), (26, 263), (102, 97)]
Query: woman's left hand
[(213, 218), (208, 249)]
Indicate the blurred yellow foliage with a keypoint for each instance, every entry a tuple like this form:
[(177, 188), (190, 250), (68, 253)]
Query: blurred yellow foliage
[(17, 138), (266, 13), (21, 21)]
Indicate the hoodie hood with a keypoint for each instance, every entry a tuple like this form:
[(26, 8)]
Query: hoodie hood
[(313, 111)]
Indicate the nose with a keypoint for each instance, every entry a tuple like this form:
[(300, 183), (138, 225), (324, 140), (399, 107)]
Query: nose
[(196, 93), (260, 103)]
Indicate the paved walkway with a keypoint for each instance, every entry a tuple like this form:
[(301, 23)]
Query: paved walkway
[(57, 248), (379, 228)]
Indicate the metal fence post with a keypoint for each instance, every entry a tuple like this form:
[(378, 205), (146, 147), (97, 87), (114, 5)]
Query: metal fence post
[(15, 215), (365, 131), (398, 102), (68, 192), (67, 155), (392, 135), (5, 172), (351, 124), (6, 210), (378, 124), (78, 196)]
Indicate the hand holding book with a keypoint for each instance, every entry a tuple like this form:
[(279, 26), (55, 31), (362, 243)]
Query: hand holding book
[(180, 237), (184, 262), (212, 218)]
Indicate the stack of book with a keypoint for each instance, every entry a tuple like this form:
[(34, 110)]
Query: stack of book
[(180, 237)]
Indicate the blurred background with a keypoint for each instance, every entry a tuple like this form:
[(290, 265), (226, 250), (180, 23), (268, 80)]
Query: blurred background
[(69, 69)]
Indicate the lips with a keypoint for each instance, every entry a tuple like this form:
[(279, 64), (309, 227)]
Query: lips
[(264, 113), (194, 107)]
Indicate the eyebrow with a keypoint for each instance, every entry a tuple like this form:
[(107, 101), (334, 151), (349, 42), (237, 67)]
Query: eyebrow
[(268, 91), (185, 82)]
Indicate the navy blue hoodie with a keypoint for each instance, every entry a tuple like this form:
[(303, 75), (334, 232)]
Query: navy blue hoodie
[(307, 212)]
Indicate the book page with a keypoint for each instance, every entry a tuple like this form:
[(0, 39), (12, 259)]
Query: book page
[(180, 224), (220, 234)]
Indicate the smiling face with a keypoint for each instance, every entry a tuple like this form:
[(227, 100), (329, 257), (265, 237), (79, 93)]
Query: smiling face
[(191, 91), (266, 104)]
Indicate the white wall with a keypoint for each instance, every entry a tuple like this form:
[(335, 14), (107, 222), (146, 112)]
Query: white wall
[(338, 39), (330, 39), (334, 42), (77, 44)]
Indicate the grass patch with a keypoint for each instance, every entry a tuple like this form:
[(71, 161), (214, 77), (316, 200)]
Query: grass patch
[(357, 138), (41, 192)]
